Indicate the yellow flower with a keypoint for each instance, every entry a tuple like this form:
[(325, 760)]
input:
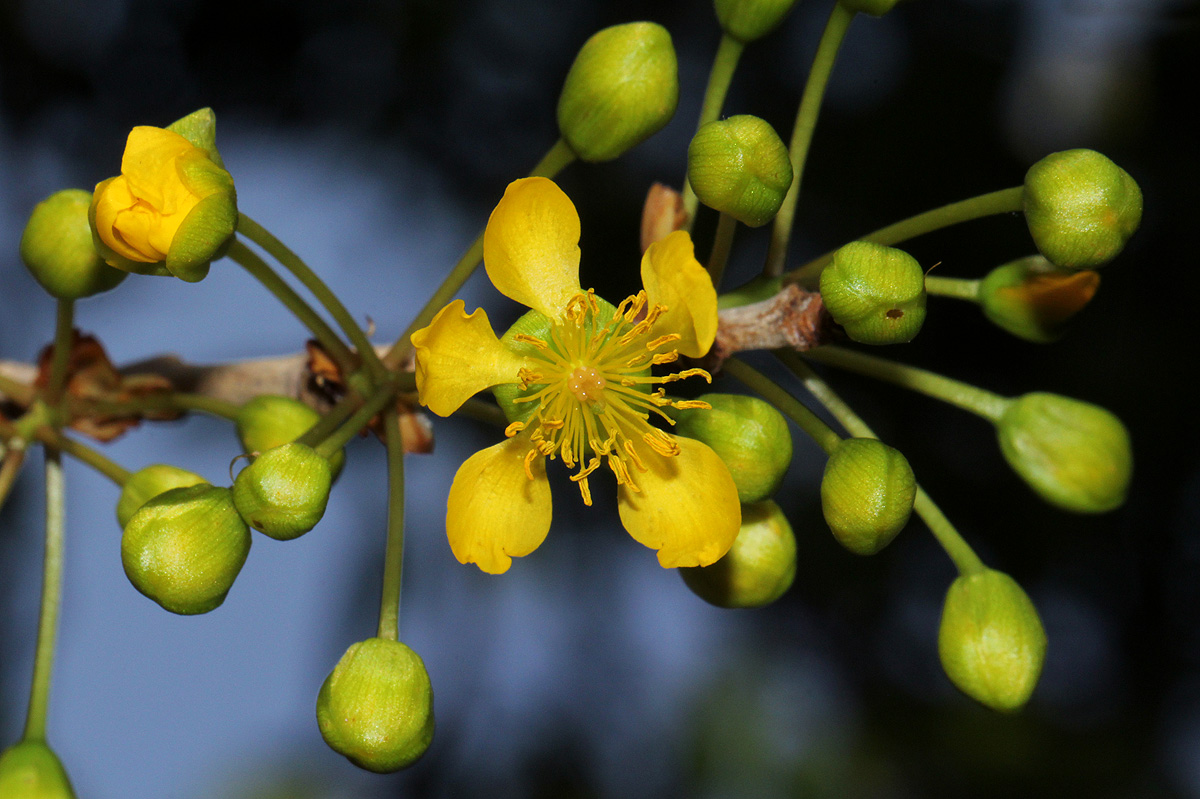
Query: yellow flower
[(170, 211), (579, 373)]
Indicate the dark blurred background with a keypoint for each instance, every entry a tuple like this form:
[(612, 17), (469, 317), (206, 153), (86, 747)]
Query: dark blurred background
[(374, 137)]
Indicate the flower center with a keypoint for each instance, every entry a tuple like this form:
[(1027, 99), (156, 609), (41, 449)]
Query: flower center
[(587, 384), (594, 400)]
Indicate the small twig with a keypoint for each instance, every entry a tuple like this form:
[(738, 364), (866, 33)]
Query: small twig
[(793, 319)]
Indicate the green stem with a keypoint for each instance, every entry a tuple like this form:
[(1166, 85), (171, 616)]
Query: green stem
[(1004, 201), (970, 398), (551, 164), (64, 337), (393, 556), (43, 659), (806, 123), (358, 420), (483, 411), (960, 552), (722, 244), (311, 281), (84, 454), (766, 388), (725, 62), (258, 268), (956, 287), (10, 468)]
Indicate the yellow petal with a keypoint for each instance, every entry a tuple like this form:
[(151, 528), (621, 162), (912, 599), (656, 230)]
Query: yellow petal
[(531, 246), (688, 506), (495, 512), (674, 278), (149, 164), (458, 356), (118, 226)]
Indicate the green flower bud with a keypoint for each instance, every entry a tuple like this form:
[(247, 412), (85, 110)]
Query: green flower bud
[(991, 641), (185, 547), (876, 293), (376, 706), (269, 421), (31, 770), (741, 167), (1074, 454), (621, 90), (1081, 208), (867, 494), (284, 491), (748, 434), (58, 251), (876, 8), (146, 484), (1033, 299), (758, 568), (747, 20)]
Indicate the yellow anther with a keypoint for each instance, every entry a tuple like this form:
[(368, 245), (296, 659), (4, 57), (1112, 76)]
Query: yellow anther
[(665, 357), (529, 458), (654, 344), (633, 456), (513, 429), (585, 492), (528, 377), (661, 443), (531, 340), (552, 424), (687, 405)]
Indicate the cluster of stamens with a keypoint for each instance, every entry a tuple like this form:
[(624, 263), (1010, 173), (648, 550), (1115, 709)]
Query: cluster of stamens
[(592, 402)]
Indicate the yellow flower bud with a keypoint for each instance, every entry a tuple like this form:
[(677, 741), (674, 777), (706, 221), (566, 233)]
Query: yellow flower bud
[(147, 483), (1074, 454), (58, 251), (991, 641), (270, 420), (1081, 208), (747, 20), (876, 293), (867, 494), (376, 706), (622, 89), (185, 547), (31, 770), (1033, 299), (741, 167), (748, 434), (283, 493), (758, 568), (173, 208), (876, 8)]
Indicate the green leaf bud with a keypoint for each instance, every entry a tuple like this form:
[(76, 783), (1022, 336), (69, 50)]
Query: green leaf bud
[(376, 706), (31, 770), (867, 494), (758, 568), (58, 251), (271, 420), (1033, 299), (284, 491), (747, 20), (876, 293), (741, 167), (621, 90), (1081, 208), (991, 641), (876, 8), (748, 434), (147, 483), (1074, 454), (185, 547)]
